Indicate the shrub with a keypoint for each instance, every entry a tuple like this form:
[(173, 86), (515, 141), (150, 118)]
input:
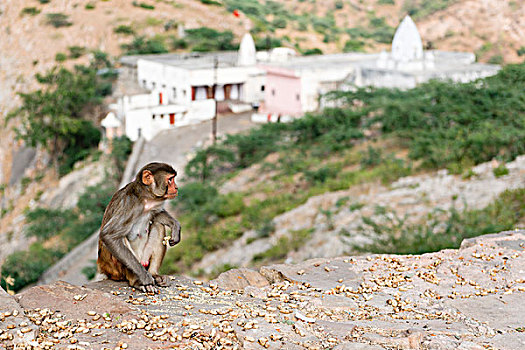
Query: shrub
[(25, 267), (501, 170), (496, 59), (45, 223), (353, 45), (90, 6), (322, 174), (314, 51), (124, 29), (521, 51), (211, 2), (142, 46), (285, 245), (76, 51), (444, 229), (60, 57), (208, 39), (58, 20), (143, 5), (32, 11)]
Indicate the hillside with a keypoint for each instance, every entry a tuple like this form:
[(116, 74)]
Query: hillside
[(493, 29)]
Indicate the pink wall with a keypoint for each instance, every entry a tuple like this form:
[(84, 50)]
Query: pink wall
[(282, 92)]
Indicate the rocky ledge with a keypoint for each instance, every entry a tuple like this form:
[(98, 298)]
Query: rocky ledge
[(470, 298)]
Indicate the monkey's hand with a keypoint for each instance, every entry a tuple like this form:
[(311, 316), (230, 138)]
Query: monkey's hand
[(175, 233)]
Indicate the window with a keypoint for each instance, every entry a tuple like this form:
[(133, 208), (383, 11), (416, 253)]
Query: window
[(297, 97), (273, 92), (144, 83), (153, 85), (153, 117), (175, 93), (262, 87), (163, 86)]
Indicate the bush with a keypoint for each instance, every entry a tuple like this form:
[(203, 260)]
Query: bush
[(443, 230), (142, 46), (143, 5), (228, 205), (25, 267), (58, 20), (32, 11), (124, 29), (90, 6), (60, 57), (76, 51), (353, 45), (314, 51), (46, 223), (79, 145), (211, 2), (208, 39), (496, 59), (500, 171)]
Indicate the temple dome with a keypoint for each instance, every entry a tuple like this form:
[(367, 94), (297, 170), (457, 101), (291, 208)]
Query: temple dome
[(246, 51), (407, 45)]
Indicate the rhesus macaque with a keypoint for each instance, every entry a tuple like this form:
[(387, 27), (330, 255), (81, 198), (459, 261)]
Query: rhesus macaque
[(131, 241)]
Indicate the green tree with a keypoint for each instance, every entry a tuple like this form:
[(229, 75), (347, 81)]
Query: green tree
[(52, 116)]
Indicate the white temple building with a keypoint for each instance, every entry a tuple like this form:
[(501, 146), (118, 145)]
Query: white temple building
[(408, 65), (182, 89)]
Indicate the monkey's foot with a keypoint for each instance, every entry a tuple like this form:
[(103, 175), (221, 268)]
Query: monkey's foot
[(162, 280)]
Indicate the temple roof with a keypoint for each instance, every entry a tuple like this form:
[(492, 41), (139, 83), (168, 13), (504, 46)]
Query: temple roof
[(407, 45)]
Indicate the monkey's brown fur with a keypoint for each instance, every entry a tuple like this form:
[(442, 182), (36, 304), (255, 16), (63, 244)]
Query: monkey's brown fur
[(134, 219)]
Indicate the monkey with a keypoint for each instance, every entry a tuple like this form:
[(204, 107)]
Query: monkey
[(130, 246)]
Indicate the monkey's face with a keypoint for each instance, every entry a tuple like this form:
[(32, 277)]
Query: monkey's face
[(172, 189), (162, 184)]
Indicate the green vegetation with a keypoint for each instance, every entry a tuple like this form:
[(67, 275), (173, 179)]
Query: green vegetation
[(283, 246), (142, 46), (413, 130), (452, 125), (207, 39), (65, 228), (211, 2), (422, 8), (90, 6), (443, 229), (31, 11), (58, 20), (60, 57), (501, 170), (314, 51), (521, 51), (143, 5), (124, 29), (76, 51), (53, 117)]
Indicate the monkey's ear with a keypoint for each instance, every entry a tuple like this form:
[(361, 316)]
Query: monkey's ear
[(147, 177)]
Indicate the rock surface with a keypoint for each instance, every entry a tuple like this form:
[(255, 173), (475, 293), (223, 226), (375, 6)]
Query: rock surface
[(469, 298)]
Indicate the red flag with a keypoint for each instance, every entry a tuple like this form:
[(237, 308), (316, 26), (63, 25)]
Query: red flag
[(236, 13)]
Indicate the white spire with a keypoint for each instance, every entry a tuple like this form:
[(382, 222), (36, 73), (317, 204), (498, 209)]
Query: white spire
[(246, 51), (407, 45)]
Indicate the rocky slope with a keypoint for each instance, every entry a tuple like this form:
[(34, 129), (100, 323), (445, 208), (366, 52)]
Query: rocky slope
[(469, 298), (331, 214)]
